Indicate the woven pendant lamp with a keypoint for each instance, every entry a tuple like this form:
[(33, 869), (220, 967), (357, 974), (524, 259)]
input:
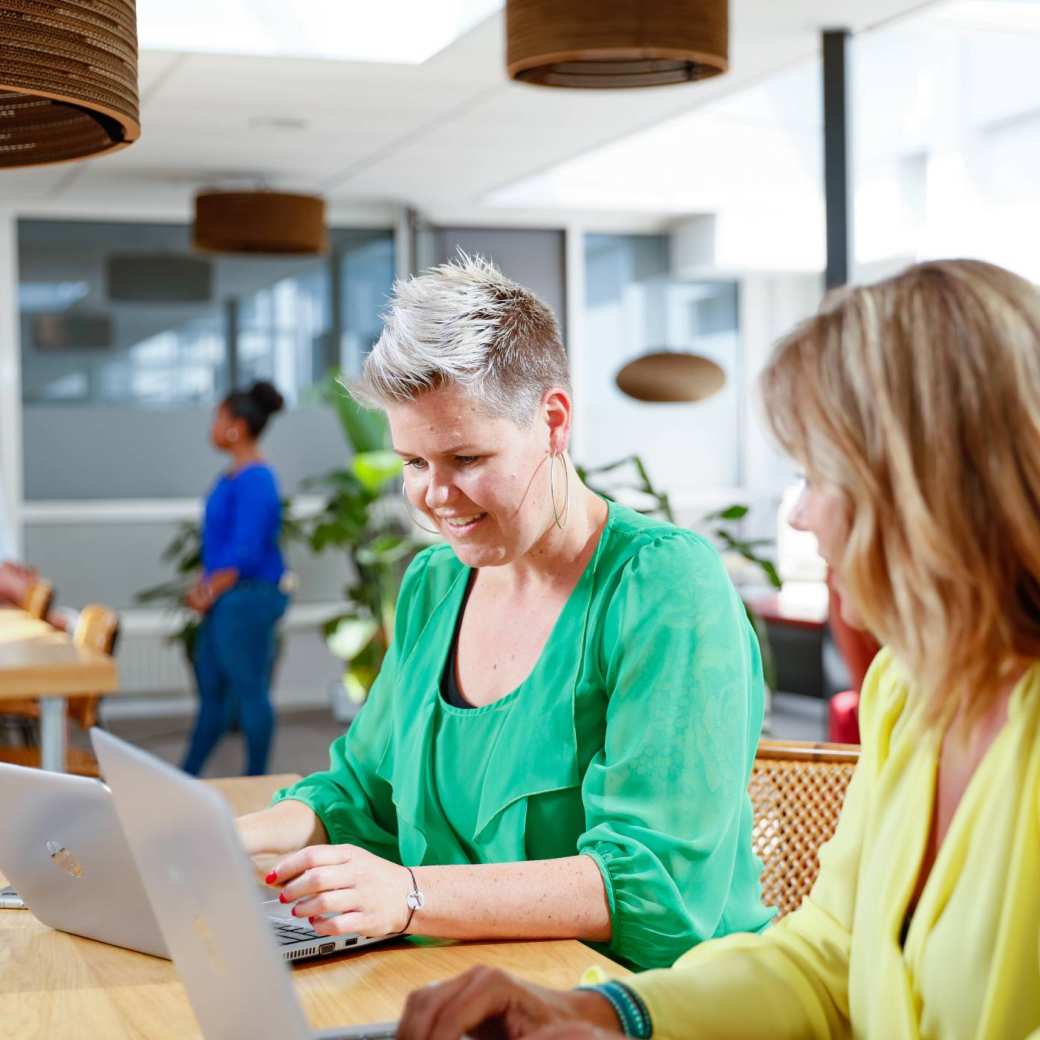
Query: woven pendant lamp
[(670, 376), (68, 79), (616, 43), (260, 222)]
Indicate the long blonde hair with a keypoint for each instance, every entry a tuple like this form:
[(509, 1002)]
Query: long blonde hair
[(919, 397)]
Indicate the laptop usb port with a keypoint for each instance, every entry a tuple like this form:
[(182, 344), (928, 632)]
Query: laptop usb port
[(326, 948)]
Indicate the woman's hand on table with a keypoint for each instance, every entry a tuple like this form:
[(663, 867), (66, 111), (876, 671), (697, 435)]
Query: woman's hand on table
[(486, 1001), (344, 889)]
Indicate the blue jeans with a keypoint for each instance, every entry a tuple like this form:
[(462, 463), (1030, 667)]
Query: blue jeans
[(233, 660)]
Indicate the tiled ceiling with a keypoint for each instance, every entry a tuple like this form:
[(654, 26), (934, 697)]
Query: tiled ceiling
[(441, 136)]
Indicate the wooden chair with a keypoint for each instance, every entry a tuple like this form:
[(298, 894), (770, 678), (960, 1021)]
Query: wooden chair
[(38, 597), (98, 629), (797, 790), (34, 595)]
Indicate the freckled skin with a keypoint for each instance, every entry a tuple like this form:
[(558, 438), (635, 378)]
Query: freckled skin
[(460, 461), (462, 464)]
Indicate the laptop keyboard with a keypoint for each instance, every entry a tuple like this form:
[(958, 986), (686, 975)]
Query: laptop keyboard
[(377, 1031), (285, 932), (378, 1034)]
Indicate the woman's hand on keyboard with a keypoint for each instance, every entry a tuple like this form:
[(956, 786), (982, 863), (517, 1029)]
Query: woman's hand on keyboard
[(343, 889)]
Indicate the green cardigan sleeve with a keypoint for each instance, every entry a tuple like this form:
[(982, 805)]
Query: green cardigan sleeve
[(668, 818), (350, 798), (792, 981)]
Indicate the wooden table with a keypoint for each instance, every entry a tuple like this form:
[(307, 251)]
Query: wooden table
[(36, 660), (64, 988)]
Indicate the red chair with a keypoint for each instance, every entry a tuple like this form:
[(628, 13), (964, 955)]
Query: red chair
[(843, 718)]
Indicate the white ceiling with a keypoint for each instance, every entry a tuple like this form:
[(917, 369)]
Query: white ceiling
[(404, 31), (443, 136)]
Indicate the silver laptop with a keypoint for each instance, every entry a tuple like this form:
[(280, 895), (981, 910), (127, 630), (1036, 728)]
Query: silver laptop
[(64, 852), (201, 884)]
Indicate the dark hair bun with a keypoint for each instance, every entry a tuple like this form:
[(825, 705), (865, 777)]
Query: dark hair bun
[(266, 397)]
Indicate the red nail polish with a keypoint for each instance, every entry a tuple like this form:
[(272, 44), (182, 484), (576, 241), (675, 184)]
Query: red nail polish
[(294, 912), (282, 897), (273, 876)]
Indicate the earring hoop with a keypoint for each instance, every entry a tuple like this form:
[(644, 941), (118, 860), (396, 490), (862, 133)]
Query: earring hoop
[(553, 456), (412, 515)]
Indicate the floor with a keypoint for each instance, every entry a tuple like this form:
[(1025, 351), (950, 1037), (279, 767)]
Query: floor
[(303, 737)]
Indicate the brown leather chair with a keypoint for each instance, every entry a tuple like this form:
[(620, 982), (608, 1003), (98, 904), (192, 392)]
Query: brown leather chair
[(797, 790)]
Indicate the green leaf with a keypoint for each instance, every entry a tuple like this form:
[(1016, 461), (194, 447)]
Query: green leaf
[(365, 430), (771, 572), (735, 512), (375, 469), (355, 686), (351, 636), (174, 591), (385, 549)]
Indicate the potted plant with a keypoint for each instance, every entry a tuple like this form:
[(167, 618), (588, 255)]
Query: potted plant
[(362, 516), (184, 553)]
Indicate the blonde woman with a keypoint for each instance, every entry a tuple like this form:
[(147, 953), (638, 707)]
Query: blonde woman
[(914, 406)]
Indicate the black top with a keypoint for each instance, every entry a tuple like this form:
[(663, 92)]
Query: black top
[(449, 677)]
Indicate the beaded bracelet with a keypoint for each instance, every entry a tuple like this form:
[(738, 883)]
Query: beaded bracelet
[(628, 1006)]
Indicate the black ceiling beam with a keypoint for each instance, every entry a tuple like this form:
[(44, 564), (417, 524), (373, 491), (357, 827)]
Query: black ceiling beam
[(836, 148)]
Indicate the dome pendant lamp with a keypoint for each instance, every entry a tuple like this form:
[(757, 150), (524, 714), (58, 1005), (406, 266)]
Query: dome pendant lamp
[(68, 80), (271, 222), (670, 376), (616, 43)]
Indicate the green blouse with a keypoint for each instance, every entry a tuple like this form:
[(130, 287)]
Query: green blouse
[(631, 741)]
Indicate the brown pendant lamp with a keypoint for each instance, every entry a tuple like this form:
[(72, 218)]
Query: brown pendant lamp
[(616, 43), (270, 222), (669, 376), (68, 80)]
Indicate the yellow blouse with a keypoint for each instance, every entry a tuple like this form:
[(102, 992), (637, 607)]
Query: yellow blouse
[(835, 968)]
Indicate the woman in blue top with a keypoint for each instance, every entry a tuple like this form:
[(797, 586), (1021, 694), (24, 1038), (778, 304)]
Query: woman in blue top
[(238, 592)]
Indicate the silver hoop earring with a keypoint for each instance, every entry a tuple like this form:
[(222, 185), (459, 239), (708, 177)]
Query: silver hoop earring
[(561, 523), (422, 527)]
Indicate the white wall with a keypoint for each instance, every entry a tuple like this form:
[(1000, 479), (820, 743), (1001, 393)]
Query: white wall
[(770, 306)]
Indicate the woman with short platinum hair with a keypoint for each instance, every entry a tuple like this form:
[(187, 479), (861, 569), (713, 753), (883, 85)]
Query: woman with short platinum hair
[(559, 742)]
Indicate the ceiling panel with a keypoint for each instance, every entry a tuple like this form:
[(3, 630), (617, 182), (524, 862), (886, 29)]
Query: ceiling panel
[(444, 134)]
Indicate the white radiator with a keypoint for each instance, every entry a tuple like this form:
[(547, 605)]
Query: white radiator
[(154, 677), (148, 662)]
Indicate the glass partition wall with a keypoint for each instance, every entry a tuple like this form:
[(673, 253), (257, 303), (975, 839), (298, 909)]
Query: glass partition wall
[(129, 338), (126, 313)]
